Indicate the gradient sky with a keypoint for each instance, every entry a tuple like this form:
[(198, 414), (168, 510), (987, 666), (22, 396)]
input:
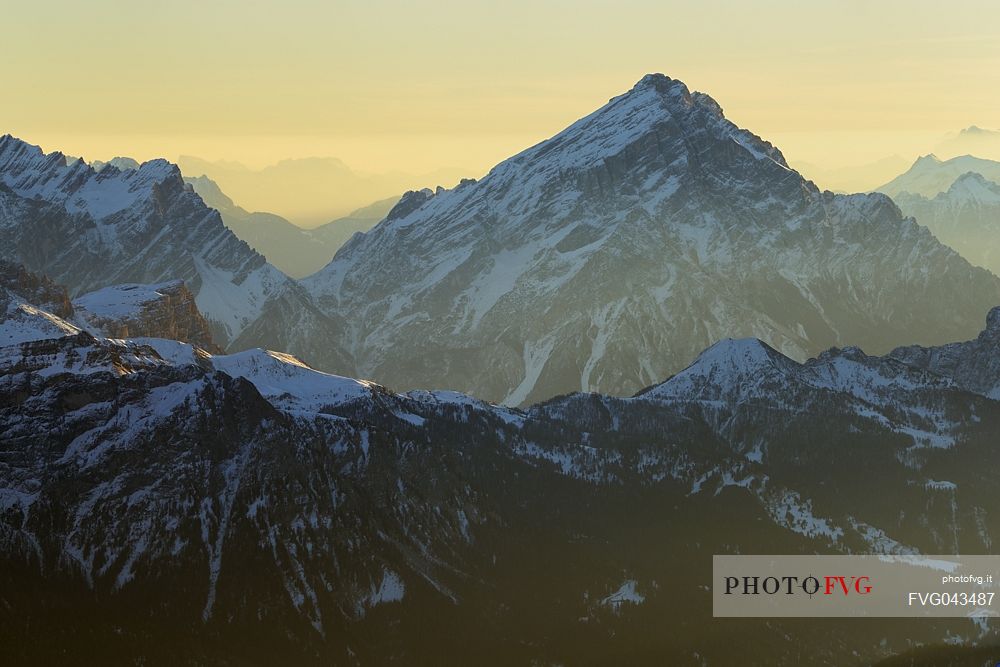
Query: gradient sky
[(417, 86)]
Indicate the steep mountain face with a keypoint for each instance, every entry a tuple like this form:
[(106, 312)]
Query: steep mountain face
[(929, 176), (184, 507), (608, 256), (966, 217), (297, 252), (89, 229), (37, 290), (21, 319)]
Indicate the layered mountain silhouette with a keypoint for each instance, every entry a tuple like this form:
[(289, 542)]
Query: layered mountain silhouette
[(90, 229), (297, 252), (164, 504), (972, 140), (308, 191), (929, 176), (508, 423), (602, 259), (966, 217)]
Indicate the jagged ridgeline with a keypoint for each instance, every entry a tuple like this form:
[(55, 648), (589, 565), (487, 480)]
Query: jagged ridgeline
[(162, 505), (90, 228), (604, 258)]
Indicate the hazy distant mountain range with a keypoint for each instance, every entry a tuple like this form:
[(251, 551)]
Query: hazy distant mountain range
[(972, 140), (966, 217), (265, 512), (309, 191), (855, 178), (296, 251), (929, 175), (958, 200)]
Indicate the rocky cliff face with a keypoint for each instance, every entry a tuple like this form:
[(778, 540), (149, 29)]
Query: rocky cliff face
[(263, 511), (974, 364), (35, 289), (607, 257), (167, 310)]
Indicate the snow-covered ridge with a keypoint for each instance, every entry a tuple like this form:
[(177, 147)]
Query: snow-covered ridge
[(32, 173), (290, 384), (972, 187), (135, 224), (28, 332), (281, 378), (607, 132), (24, 323), (735, 370)]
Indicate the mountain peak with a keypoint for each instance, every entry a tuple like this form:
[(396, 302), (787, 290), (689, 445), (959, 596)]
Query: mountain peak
[(976, 130), (731, 364), (973, 186), (661, 83), (927, 160)]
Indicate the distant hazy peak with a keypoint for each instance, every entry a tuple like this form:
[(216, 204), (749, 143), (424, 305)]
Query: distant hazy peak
[(928, 160), (975, 186), (120, 163), (976, 130), (210, 192)]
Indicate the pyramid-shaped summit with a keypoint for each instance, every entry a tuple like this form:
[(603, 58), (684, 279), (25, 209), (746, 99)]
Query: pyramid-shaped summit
[(607, 257)]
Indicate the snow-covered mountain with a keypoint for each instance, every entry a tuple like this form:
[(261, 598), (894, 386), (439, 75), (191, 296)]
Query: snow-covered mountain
[(608, 256), (929, 176), (297, 252), (966, 217), (266, 512), (90, 229)]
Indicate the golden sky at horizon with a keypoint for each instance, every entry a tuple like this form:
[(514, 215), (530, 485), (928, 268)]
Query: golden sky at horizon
[(418, 86)]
